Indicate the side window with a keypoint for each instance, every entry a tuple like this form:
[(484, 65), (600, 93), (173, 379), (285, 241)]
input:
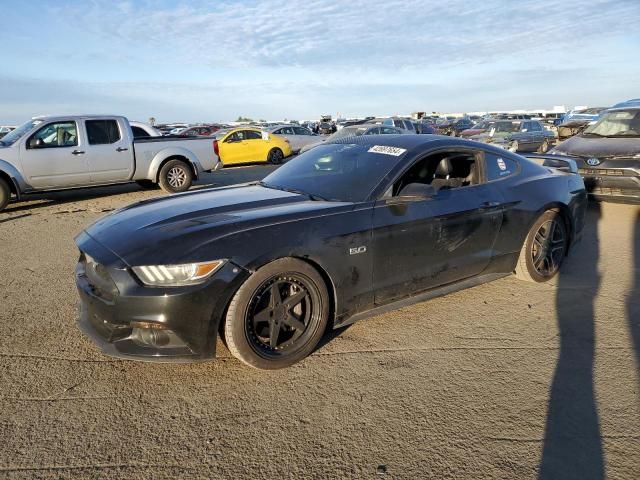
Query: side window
[(443, 170), (409, 125), (389, 131), (398, 123), (287, 131), (234, 137), (536, 127), (59, 134), (139, 132), (372, 131), (252, 135), (102, 132), (525, 127), (498, 166), (302, 131)]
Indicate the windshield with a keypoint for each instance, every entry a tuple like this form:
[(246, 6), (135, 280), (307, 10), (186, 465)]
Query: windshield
[(625, 123), (506, 127), (347, 132), (339, 172), (13, 136)]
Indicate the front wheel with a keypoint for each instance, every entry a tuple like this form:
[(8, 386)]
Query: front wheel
[(278, 315), (175, 176), (544, 249), (544, 147), (275, 156), (5, 194)]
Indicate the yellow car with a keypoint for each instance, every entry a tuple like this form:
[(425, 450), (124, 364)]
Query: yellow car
[(250, 145)]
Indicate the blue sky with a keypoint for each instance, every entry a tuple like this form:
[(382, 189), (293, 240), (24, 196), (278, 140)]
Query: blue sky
[(274, 59)]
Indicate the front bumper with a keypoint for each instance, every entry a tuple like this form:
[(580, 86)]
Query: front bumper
[(612, 184), (128, 320)]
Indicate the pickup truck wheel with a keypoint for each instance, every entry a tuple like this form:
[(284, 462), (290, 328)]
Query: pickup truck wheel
[(175, 176), (146, 184), (5, 194), (275, 156)]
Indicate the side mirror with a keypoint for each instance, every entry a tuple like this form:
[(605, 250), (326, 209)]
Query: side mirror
[(36, 143), (415, 192)]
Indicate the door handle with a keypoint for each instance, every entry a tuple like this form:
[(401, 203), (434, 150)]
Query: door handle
[(491, 204), (77, 152), (121, 149)]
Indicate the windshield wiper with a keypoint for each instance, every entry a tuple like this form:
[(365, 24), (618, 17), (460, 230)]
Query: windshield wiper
[(312, 196)]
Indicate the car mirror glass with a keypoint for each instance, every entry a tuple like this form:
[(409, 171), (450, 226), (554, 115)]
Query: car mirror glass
[(36, 143)]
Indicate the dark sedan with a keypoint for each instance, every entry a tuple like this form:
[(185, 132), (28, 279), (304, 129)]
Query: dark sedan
[(608, 154), (518, 136), (347, 230)]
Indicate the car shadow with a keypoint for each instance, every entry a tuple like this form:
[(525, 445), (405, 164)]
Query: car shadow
[(572, 442)]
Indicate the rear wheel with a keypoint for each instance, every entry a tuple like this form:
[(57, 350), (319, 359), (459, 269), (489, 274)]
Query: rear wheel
[(544, 249), (5, 194), (278, 315), (275, 156), (175, 176)]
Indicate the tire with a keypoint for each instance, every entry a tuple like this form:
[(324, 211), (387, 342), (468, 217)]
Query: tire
[(544, 249), (5, 194), (254, 312), (544, 147), (275, 156), (175, 176), (146, 184)]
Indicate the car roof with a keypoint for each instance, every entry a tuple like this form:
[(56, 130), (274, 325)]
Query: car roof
[(620, 109), (81, 117)]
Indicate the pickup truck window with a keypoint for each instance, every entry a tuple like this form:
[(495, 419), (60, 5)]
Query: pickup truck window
[(58, 134), (139, 133), (101, 132)]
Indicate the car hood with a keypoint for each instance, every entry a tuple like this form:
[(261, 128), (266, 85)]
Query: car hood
[(496, 137), (186, 223), (584, 146)]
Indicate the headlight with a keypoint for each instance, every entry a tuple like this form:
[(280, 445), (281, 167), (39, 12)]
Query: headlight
[(176, 275)]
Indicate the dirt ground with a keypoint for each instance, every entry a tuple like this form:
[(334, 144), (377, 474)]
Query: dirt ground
[(505, 380)]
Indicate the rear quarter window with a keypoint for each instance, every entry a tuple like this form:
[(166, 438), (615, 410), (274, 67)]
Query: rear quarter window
[(498, 166)]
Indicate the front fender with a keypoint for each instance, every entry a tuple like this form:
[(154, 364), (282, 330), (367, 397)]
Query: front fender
[(16, 177), (172, 152)]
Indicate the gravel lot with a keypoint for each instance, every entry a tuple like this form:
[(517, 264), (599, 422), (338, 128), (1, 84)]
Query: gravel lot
[(506, 380)]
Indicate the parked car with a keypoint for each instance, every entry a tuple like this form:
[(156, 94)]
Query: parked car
[(347, 230), (608, 155), (454, 127), (176, 131), (356, 131), (518, 136), (326, 128), (478, 128), (297, 136), (403, 123), (576, 121), (427, 127), (250, 145), (199, 131), (143, 130), (62, 152)]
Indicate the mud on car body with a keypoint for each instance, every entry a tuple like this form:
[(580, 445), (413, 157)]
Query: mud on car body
[(344, 231)]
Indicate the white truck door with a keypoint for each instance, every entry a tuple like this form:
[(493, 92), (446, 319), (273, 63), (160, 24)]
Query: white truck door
[(109, 150), (54, 156)]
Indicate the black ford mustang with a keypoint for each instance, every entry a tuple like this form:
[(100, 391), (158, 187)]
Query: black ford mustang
[(344, 231)]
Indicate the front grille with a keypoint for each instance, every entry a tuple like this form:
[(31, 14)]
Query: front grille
[(611, 172)]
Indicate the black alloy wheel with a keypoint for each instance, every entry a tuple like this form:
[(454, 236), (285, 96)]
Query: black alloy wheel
[(278, 316), (548, 248), (544, 249), (275, 156)]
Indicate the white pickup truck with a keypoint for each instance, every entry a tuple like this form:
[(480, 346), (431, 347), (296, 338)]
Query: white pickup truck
[(64, 152)]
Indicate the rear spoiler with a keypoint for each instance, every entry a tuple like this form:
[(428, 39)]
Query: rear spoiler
[(559, 162)]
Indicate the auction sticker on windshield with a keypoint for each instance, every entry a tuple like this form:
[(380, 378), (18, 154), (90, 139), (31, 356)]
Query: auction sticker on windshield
[(395, 151)]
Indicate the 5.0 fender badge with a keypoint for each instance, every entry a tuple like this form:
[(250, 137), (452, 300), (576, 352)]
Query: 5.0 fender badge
[(357, 250), (593, 161)]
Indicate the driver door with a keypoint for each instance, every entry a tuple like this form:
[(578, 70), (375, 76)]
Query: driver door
[(55, 157), (422, 244)]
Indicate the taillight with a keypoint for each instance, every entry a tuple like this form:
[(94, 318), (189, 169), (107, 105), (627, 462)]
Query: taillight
[(215, 148)]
